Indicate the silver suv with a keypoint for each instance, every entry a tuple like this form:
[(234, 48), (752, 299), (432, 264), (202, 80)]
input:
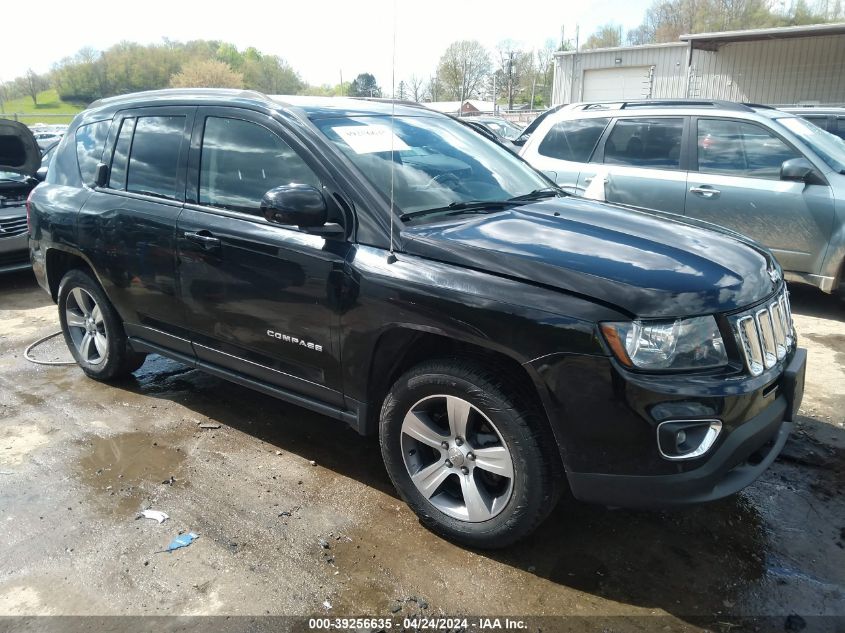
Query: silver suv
[(767, 174)]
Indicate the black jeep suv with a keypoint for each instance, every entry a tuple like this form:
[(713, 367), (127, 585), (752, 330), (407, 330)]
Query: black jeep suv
[(386, 266)]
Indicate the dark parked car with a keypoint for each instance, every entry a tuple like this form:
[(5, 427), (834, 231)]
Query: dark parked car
[(501, 338), (830, 119), (520, 140), (20, 159), (502, 128)]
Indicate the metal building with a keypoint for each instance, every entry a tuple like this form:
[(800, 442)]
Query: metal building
[(803, 64)]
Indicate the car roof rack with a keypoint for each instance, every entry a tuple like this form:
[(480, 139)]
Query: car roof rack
[(759, 106), (665, 103)]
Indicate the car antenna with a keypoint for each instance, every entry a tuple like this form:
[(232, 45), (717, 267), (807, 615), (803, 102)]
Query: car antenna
[(391, 256)]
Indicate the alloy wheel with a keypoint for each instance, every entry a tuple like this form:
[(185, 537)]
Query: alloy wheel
[(457, 458), (86, 326)]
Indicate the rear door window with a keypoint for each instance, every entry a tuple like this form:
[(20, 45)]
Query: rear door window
[(738, 148), (642, 142), (572, 140), (241, 161), (154, 157)]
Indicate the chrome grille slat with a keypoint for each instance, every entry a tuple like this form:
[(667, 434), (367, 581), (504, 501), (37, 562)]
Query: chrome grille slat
[(766, 334), (12, 226), (767, 337)]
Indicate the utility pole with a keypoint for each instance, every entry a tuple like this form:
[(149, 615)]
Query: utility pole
[(494, 92), (510, 80), (341, 84)]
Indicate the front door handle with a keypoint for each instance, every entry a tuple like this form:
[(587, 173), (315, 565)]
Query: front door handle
[(208, 241), (705, 191)]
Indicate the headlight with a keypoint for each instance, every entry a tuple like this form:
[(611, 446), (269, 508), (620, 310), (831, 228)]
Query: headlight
[(681, 344)]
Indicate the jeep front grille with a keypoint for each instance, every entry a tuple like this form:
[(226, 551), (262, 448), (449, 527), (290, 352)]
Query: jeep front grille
[(766, 334)]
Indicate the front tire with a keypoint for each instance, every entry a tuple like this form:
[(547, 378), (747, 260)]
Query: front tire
[(93, 330), (467, 453)]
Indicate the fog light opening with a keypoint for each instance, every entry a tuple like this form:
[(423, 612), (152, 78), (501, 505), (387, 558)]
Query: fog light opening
[(687, 439)]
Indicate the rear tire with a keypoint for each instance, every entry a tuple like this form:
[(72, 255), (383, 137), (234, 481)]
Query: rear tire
[(468, 453), (93, 330)]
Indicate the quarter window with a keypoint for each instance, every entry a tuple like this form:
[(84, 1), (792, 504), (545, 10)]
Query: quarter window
[(573, 140), (737, 148), (644, 142), (90, 141), (154, 158), (241, 161)]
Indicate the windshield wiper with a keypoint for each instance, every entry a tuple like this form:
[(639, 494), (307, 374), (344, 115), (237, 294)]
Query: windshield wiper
[(539, 194), (471, 206)]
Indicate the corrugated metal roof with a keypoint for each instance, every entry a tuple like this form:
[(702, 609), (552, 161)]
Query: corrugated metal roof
[(710, 40), (642, 47)]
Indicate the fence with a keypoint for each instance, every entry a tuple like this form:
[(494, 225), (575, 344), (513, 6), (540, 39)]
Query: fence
[(35, 118)]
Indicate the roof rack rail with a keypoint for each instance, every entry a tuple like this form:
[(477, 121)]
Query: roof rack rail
[(666, 103), (762, 106)]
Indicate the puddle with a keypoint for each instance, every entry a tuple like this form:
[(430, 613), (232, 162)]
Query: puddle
[(124, 470)]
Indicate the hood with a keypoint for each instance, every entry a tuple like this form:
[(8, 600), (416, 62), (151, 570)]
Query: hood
[(643, 263), (19, 152)]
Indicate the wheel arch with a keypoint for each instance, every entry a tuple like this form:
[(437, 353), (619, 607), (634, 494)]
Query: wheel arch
[(400, 348), (58, 262)]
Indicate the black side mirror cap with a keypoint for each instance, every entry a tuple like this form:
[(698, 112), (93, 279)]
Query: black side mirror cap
[(298, 205), (101, 175), (801, 170)]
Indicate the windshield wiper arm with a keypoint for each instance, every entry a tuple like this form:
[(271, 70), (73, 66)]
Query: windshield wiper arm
[(538, 194), (479, 206)]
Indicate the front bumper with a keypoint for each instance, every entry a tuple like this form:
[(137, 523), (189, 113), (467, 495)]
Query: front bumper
[(14, 253), (748, 450)]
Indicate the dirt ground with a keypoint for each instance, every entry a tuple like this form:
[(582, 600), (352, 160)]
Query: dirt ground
[(79, 460)]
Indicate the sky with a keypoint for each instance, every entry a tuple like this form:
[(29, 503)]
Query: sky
[(320, 39)]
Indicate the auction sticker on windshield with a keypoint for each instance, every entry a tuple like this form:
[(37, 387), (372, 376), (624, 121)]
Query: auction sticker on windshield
[(368, 139)]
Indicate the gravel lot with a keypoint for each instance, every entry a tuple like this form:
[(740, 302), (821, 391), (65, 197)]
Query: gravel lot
[(270, 481)]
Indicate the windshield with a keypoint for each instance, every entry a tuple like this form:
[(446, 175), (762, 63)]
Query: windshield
[(437, 161), (830, 148), (504, 129)]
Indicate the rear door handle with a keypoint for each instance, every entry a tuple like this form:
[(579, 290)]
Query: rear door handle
[(705, 191), (208, 241)]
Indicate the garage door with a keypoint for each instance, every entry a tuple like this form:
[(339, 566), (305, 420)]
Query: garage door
[(608, 84)]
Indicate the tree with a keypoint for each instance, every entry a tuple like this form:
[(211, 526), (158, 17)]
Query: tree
[(666, 20), (546, 71), (516, 73), (433, 89), (207, 73), (417, 86), (5, 95), (271, 75), (401, 91), (463, 70), (364, 85), (31, 84), (607, 36)]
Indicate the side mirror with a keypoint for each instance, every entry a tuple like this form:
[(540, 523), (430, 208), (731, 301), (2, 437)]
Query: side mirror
[(41, 173), (101, 175), (299, 205), (800, 170)]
